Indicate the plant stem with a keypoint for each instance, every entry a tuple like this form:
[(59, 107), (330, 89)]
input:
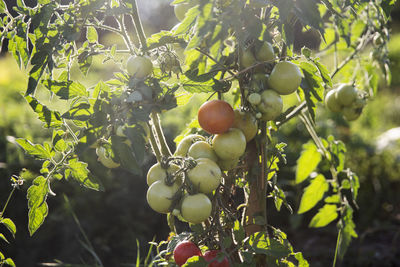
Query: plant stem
[(154, 144), (337, 247), (293, 114), (165, 151), (8, 200), (125, 35), (138, 25)]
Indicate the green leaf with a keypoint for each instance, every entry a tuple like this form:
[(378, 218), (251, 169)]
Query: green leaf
[(49, 117), (313, 193), (38, 209), (79, 172), (85, 60), (262, 244), (347, 231), (324, 73), (325, 215), (307, 162), (188, 22), (37, 150), (91, 34), (1, 256), (4, 238), (2, 6), (9, 262), (124, 155), (66, 89), (58, 141), (238, 232), (10, 225), (196, 261), (301, 261)]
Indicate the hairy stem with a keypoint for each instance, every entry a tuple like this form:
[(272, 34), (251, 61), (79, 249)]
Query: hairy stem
[(160, 134), (8, 200), (154, 144), (138, 25)]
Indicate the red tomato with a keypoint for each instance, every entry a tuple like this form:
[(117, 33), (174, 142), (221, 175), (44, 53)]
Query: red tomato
[(211, 254), (215, 116), (185, 250)]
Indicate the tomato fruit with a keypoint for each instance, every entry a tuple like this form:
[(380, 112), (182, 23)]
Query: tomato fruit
[(346, 94), (215, 116), (159, 196), (229, 145), (271, 105), (332, 102), (227, 165), (285, 78), (185, 250), (206, 176), (254, 99), (157, 173), (202, 149), (351, 113), (212, 257), (265, 52), (139, 66), (184, 145), (105, 158), (196, 208), (247, 58), (247, 123)]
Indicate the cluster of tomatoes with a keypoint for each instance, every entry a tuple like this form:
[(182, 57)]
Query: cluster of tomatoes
[(187, 249), (345, 98), (185, 189), (264, 91)]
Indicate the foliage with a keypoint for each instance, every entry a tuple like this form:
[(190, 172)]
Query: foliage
[(51, 36)]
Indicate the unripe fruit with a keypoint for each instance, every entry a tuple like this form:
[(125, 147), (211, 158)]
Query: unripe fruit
[(351, 113), (266, 52), (285, 78), (229, 145), (184, 145), (332, 102), (246, 123), (159, 196), (254, 99), (139, 67), (196, 208), (271, 105), (247, 58), (157, 173), (346, 94), (202, 149), (206, 176), (227, 165)]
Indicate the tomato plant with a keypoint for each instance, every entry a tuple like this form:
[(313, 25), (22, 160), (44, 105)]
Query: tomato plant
[(211, 256), (245, 54)]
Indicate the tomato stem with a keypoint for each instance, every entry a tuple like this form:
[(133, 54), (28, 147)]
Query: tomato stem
[(138, 25), (160, 134), (153, 143)]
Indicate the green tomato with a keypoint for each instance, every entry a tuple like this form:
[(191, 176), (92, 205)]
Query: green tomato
[(184, 145), (202, 149), (196, 208), (259, 82), (106, 159), (157, 173), (247, 58), (247, 123), (227, 165), (351, 113), (346, 94), (254, 99), (271, 105), (159, 196), (206, 176), (332, 102), (139, 67), (265, 52), (285, 78), (229, 145)]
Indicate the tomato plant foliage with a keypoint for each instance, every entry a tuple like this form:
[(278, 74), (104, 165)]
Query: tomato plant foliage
[(52, 37)]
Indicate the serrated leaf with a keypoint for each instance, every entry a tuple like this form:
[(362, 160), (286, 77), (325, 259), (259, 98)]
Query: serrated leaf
[(38, 209), (49, 117), (347, 230), (2, 6), (324, 73), (66, 89), (79, 172), (91, 34), (58, 141), (188, 22), (301, 261), (35, 150), (124, 155), (325, 215), (9, 224), (313, 193), (307, 162), (262, 244)]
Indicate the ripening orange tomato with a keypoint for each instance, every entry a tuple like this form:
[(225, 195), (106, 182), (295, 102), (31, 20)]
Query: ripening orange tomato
[(216, 116)]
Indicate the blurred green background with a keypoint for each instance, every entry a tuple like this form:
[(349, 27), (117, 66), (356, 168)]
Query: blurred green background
[(115, 219)]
